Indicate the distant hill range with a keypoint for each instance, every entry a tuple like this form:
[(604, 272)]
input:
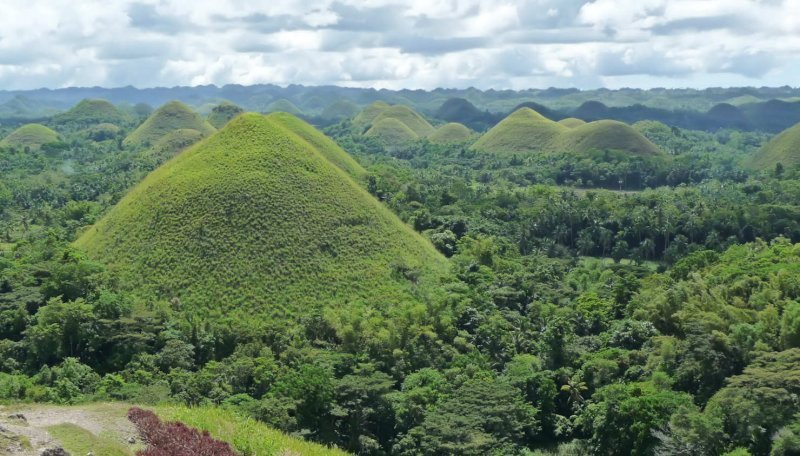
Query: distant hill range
[(747, 108)]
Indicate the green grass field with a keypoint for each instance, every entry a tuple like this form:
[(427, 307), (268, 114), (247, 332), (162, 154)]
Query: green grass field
[(166, 119), (783, 148), (80, 441), (452, 132), (257, 218), (33, 136)]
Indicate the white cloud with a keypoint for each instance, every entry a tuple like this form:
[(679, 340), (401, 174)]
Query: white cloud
[(399, 43)]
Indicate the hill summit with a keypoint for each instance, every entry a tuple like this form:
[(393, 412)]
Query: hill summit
[(525, 130), (166, 119), (783, 148), (259, 218), (392, 124)]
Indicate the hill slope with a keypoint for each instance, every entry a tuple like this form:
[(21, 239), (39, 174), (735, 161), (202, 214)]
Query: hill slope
[(392, 132), (571, 122), (256, 218), (450, 133), (33, 136), (783, 149), (341, 109), (606, 135), (283, 105), (168, 118), (409, 117), (91, 112)]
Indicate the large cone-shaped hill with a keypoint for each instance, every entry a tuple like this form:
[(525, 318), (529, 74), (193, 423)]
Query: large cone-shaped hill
[(452, 132), (166, 119), (783, 148), (32, 136), (92, 112), (526, 131), (257, 218)]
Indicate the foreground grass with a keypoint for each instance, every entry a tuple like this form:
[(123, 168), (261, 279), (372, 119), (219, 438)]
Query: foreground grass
[(247, 436), (78, 440)]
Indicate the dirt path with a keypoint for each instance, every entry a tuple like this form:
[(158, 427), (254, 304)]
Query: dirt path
[(29, 436)]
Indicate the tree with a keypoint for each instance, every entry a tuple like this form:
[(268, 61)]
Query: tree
[(365, 420), (790, 325)]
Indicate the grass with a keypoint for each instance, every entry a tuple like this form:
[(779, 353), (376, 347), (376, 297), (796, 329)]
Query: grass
[(33, 136), (526, 131), (223, 113), (392, 132), (166, 119), (257, 218), (783, 149), (79, 441), (326, 146), (247, 436), (91, 112), (174, 142), (571, 122), (283, 105), (452, 132)]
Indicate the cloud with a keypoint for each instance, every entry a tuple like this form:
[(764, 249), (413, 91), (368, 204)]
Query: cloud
[(398, 43)]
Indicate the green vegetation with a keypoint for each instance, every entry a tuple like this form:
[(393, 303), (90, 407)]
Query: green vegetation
[(390, 131), (103, 132), (528, 131), (368, 115), (31, 137), (247, 436), (450, 133), (283, 105), (91, 112), (783, 150), (571, 122), (408, 117), (173, 142), (168, 118), (257, 218), (223, 113), (78, 440)]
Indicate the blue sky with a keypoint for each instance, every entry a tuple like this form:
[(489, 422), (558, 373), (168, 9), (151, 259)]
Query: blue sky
[(400, 44)]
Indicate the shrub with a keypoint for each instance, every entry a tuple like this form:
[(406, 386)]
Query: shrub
[(174, 439)]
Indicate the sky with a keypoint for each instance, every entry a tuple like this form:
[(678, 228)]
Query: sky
[(415, 44)]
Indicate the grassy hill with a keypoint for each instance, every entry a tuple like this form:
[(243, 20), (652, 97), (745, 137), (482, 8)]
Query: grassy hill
[(450, 133), (33, 136), (257, 218), (571, 122), (392, 132), (103, 132), (341, 109), (783, 148), (172, 143), (283, 105), (606, 135), (525, 131), (368, 115), (409, 117), (223, 113), (166, 119), (91, 112)]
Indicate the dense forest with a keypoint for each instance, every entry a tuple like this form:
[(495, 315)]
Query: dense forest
[(582, 299)]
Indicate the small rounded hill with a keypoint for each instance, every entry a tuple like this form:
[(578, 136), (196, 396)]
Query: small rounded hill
[(92, 112), (393, 124), (166, 119), (31, 136), (783, 148), (525, 130), (450, 133), (257, 219), (223, 113), (283, 105)]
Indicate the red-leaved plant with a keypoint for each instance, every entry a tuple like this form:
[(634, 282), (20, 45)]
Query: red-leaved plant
[(174, 439)]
